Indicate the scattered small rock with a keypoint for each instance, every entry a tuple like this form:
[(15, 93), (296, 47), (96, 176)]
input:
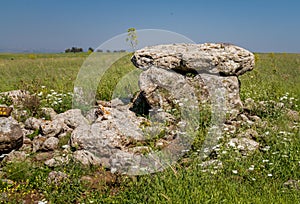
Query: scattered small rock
[(50, 144), (293, 115), (87, 158), (215, 164), (57, 161), (49, 112), (33, 123), (56, 177), (51, 128), (15, 156), (11, 135), (245, 145), (295, 184)]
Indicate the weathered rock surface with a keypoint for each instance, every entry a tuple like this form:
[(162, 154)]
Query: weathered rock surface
[(86, 158), (57, 161), (37, 143), (15, 156), (52, 128), (105, 137), (49, 112), (50, 144), (33, 123), (11, 135), (56, 177), (209, 71), (72, 118), (245, 145), (223, 59)]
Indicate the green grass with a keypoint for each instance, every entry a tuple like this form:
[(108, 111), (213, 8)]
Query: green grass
[(274, 76), (257, 178)]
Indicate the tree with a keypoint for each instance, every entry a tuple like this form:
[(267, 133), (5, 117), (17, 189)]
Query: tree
[(68, 50), (74, 49), (132, 38), (90, 50)]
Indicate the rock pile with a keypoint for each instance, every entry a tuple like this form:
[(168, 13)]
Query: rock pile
[(177, 81)]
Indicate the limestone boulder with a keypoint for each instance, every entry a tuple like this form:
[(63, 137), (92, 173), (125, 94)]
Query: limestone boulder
[(11, 135), (72, 118), (51, 128), (213, 58), (104, 137), (208, 71), (50, 144), (33, 123)]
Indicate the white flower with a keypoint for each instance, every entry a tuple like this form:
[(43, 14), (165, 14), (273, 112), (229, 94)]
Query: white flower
[(43, 87), (265, 160), (270, 175), (266, 148), (251, 168), (234, 171), (231, 143)]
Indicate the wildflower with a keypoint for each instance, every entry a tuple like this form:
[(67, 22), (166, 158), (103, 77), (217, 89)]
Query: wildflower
[(266, 148), (234, 171), (282, 132), (176, 101), (270, 175), (265, 160), (231, 144), (283, 98), (251, 168), (43, 87)]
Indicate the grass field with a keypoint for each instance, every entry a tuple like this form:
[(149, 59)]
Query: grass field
[(258, 178)]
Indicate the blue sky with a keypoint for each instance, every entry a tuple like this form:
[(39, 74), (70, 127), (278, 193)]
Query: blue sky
[(257, 25)]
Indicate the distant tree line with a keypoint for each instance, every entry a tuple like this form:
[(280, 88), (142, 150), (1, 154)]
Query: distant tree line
[(74, 50), (90, 50)]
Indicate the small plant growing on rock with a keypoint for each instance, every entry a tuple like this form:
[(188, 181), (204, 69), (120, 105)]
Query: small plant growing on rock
[(5, 100)]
